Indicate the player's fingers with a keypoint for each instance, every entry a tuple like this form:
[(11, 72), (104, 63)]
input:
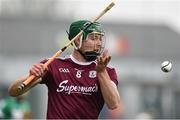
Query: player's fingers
[(40, 68), (44, 68), (104, 59), (101, 59), (98, 59), (108, 58), (36, 70), (44, 73), (105, 53)]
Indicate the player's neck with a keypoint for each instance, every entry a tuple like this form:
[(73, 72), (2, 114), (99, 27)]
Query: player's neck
[(78, 56)]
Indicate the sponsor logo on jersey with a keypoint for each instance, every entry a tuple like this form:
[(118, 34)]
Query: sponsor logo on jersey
[(88, 90), (92, 74), (64, 70)]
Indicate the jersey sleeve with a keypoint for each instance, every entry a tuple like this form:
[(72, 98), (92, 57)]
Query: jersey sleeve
[(113, 75)]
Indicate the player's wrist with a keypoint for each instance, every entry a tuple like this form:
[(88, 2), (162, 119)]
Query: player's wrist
[(100, 70)]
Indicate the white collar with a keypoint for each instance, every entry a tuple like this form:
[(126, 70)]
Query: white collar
[(80, 63)]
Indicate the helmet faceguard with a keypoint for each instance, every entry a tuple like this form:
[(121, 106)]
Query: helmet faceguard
[(93, 32)]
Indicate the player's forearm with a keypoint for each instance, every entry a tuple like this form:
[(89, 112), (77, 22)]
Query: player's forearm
[(109, 90)]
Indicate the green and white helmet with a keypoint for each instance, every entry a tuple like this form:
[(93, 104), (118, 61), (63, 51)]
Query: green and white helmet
[(89, 29), (76, 27)]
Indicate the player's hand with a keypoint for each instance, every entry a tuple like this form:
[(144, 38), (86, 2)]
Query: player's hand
[(102, 61), (38, 70)]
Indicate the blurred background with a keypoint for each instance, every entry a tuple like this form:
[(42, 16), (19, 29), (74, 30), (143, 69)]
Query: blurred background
[(140, 35)]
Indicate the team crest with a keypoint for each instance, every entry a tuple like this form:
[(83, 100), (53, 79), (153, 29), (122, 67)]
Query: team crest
[(92, 74)]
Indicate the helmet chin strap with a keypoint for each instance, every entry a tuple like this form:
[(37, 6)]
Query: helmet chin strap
[(89, 55), (80, 44)]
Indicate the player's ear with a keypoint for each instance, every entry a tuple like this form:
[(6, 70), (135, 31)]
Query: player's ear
[(77, 41)]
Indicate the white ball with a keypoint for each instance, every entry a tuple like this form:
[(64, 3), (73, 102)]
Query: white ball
[(166, 66)]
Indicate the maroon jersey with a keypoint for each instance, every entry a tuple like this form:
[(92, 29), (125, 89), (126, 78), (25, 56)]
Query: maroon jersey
[(73, 89)]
